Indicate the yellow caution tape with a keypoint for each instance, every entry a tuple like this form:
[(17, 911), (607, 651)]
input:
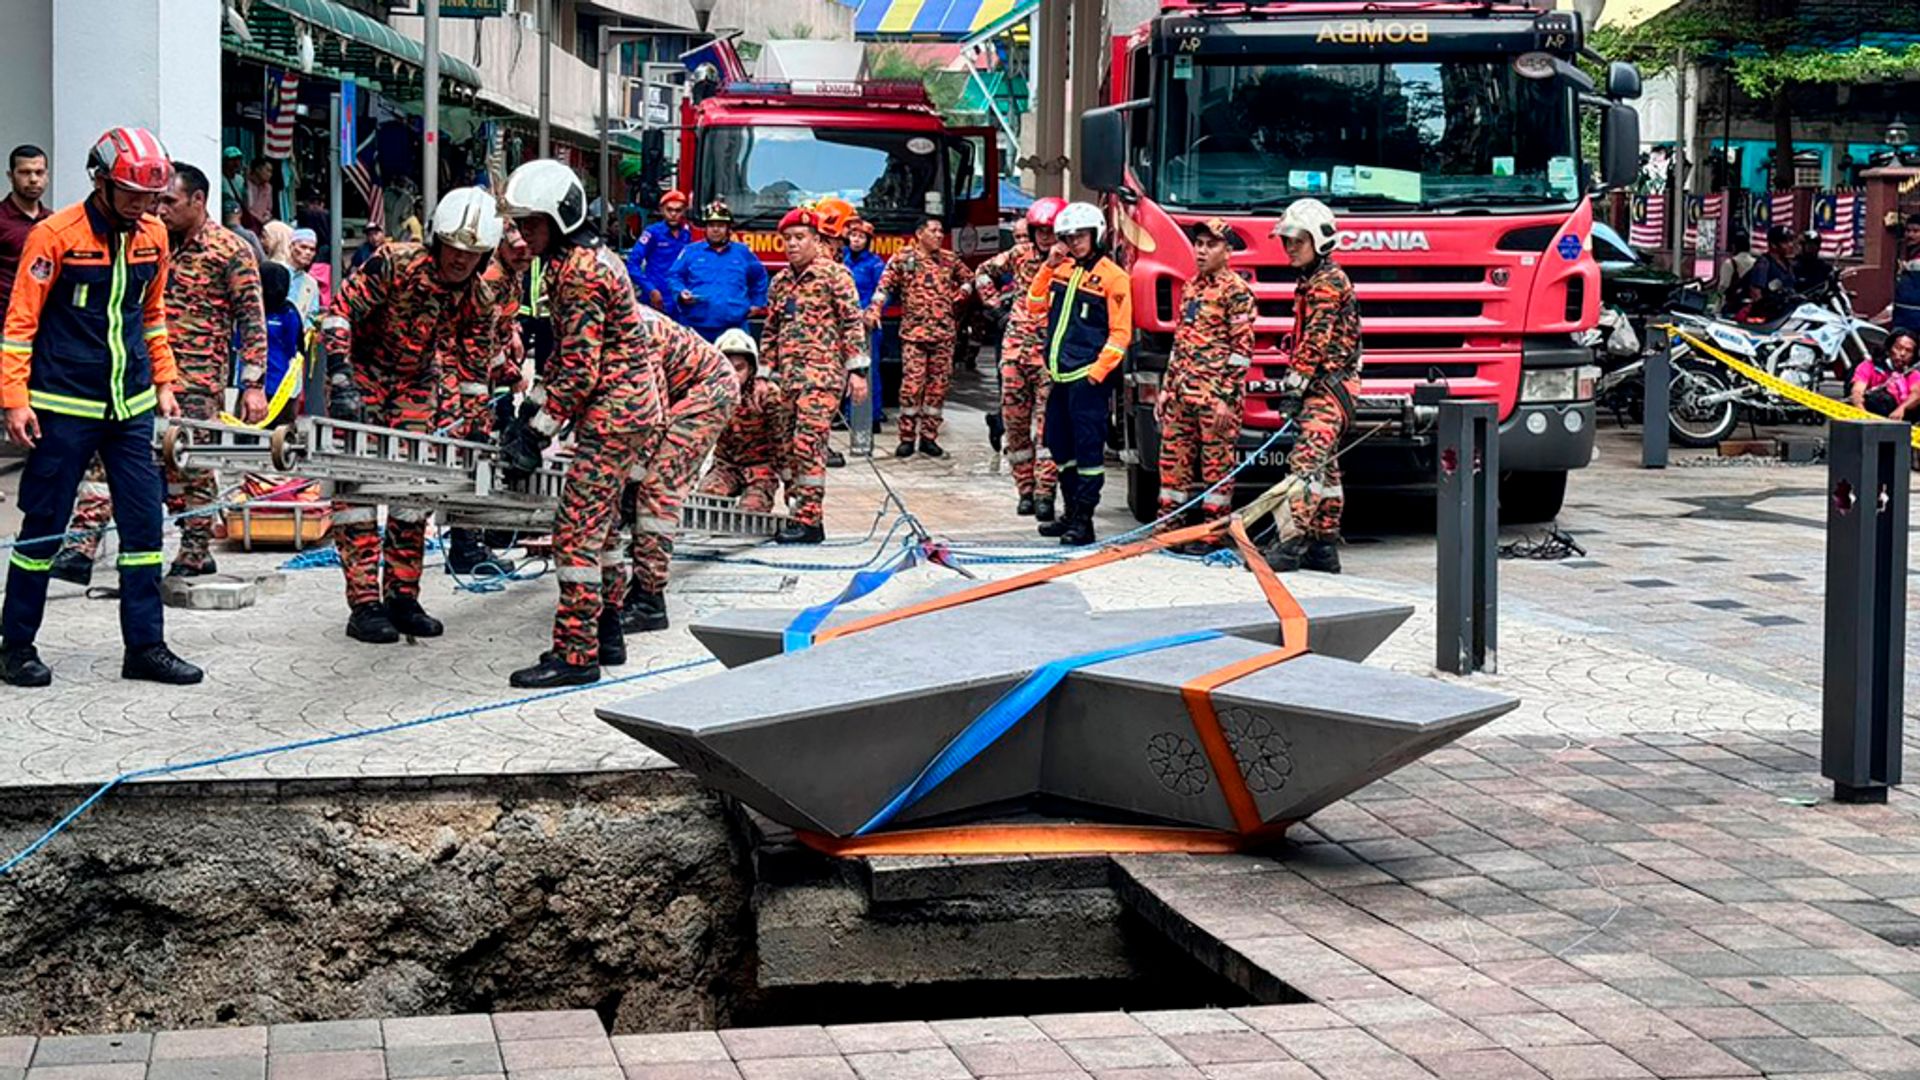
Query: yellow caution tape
[(1799, 395), (289, 385)]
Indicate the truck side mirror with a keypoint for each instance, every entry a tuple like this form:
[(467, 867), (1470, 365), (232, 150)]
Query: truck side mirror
[(1619, 145), (1623, 81), (1103, 149)]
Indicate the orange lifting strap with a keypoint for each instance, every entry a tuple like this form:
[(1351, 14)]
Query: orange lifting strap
[(1064, 838)]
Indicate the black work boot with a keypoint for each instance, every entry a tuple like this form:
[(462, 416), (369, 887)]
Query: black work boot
[(466, 554), (369, 623), (931, 448), (796, 533), (20, 666), (73, 566), (836, 459), (552, 671), (1286, 556), (1055, 526), (1025, 507), (613, 640), (1079, 530), (1322, 556), (183, 569), (156, 663), (408, 617), (1043, 508), (904, 450), (643, 611)]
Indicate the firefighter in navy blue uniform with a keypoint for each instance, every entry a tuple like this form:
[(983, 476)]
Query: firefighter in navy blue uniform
[(84, 364), (1086, 302)]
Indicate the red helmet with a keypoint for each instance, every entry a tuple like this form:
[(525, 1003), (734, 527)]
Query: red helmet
[(834, 212), (1044, 210), (131, 158), (673, 198), (800, 215)]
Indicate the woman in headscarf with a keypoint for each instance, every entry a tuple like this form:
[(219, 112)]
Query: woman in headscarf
[(277, 238)]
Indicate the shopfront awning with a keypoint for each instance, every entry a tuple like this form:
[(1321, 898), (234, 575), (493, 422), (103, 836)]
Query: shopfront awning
[(346, 44), (937, 20)]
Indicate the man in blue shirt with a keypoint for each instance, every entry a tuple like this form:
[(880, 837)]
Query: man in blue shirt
[(866, 268), (653, 254), (716, 284)]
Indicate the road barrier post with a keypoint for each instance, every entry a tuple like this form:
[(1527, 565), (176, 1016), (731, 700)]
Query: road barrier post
[(1468, 463), (1863, 682), (1657, 383)]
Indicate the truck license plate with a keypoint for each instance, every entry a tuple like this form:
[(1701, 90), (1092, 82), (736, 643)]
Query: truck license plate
[(1272, 458)]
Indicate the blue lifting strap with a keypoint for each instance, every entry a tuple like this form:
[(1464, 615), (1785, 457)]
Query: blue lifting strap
[(1011, 707)]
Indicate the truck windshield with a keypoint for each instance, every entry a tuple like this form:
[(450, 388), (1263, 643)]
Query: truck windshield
[(1452, 132), (762, 172)]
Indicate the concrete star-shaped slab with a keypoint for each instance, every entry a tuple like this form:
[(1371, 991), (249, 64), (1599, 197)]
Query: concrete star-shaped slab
[(822, 738)]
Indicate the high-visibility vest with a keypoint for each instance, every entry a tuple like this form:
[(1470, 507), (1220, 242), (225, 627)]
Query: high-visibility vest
[(535, 305)]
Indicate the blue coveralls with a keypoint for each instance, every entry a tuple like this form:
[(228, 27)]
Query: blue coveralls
[(726, 283), (650, 259), (866, 268), (87, 310), (1906, 291)]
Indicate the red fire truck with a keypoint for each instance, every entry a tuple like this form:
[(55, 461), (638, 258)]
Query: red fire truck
[(1446, 137), (767, 147)]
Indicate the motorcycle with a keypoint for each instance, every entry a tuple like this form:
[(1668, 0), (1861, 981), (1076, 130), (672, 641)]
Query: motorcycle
[(1819, 339)]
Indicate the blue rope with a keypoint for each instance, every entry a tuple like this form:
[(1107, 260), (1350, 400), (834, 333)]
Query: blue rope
[(324, 740), (491, 577), (1007, 711)]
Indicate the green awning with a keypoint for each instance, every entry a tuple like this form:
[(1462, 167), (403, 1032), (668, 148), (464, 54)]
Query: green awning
[(347, 44)]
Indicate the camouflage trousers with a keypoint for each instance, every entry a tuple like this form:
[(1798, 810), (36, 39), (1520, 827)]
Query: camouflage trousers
[(187, 489), (1023, 410), (586, 541), (466, 411), (663, 480), (926, 373), (753, 485), (805, 470), (1322, 424), (1198, 431), (406, 405)]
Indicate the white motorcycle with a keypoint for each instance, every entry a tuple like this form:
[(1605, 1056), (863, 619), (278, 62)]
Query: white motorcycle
[(1820, 339)]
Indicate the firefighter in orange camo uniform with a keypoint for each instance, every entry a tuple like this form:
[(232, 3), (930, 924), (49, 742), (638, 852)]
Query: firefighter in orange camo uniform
[(604, 380), (1325, 374), (815, 338), (746, 461), (1023, 362), (701, 391), (1199, 405), (471, 395), (929, 282), (390, 331), (213, 313)]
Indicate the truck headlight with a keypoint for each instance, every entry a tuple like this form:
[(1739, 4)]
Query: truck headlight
[(1549, 384)]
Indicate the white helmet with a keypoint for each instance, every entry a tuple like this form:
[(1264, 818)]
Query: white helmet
[(546, 187), (737, 340), (1080, 217), (468, 219), (1310, 218)]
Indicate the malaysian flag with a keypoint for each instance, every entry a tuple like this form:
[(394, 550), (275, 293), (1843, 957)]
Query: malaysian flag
[(1836, 216), (363, 182), (1703, 208), (280, 120), (1649, 220), (1782, 210)]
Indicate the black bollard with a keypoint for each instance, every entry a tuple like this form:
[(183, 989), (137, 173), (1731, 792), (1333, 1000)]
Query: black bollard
[(1863, 686), (1657, 387), (1468, 505)]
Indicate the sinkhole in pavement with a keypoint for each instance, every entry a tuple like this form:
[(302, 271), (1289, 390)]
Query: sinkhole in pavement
[(637, 894)]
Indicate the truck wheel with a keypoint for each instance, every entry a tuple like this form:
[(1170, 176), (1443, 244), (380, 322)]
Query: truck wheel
[(1143, 493), (1529, 498)]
